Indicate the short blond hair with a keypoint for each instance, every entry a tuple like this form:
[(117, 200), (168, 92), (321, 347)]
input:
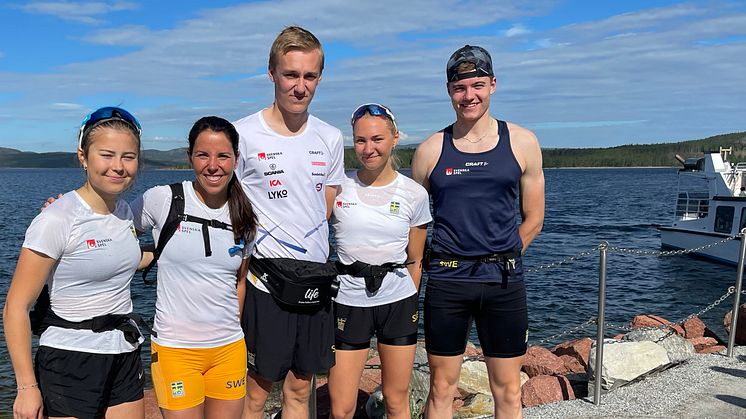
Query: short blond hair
[(294, 38)]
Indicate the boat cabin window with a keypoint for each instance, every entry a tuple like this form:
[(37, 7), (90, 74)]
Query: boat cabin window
[(743, 220), (724, 219)]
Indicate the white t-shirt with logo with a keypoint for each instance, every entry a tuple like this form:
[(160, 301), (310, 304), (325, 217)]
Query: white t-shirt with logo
[(97, 257), (284, 178), (197, 304), (371, 224)]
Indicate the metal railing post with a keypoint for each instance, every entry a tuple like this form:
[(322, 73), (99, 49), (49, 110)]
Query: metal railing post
[(312, 399), (603, 250), (737, 297)]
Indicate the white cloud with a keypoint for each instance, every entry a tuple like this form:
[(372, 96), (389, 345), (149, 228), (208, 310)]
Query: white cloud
[(517, 30), (66, 106), (129, 35), (82, 12)]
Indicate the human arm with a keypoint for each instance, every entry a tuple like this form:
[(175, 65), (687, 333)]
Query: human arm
[(425, 158), (243, 270), (31, 273), (415, 251), (531, 185)]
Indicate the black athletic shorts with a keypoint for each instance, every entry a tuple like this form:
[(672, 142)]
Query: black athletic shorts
[(393, 324), (500, 313), (280, 338), (83, 385)]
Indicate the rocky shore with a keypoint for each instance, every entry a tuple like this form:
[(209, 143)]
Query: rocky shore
[(657, 369)]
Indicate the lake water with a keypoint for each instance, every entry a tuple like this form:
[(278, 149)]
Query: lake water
[(583, 208)]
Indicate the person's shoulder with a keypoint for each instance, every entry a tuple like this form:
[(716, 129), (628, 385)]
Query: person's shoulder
[(326, 129), (416, 190), (435, 141), (247, 120), (521, 135), (64, 210)]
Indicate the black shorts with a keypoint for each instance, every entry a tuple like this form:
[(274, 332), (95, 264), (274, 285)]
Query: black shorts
[(393, 324), (83, 385), (500, 313), (280, 338)]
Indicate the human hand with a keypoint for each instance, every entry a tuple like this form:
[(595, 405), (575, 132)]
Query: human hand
[(28, 404), (49, 201)]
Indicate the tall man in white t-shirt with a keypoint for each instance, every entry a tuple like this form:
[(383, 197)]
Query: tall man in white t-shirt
[(289, 166)]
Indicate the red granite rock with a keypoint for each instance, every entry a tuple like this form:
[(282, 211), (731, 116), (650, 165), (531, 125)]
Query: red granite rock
[(740, 326), (702, 343), (694, 328), (370, 380), (546, 389), (472, 350), (572, 364), (540, 361), (151, 406), (712, 349), (579, 349), (651, 320), (619, 337)]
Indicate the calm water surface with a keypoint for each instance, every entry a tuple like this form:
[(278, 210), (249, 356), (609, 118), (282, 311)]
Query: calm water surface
[(583, 208)]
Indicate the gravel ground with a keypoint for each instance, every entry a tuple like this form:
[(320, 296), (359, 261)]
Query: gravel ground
[(706, 386)]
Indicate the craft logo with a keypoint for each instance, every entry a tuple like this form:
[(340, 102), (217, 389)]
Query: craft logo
[(236, 383), (476, 163), (316, 152), (177, 389), (96, 243), (318, 163), (318, 174), (251, 358), (318, 187), (341, 204), (451, 171), (282, 193), (394, 208), (273, 183), (341, 323), (269, 156)]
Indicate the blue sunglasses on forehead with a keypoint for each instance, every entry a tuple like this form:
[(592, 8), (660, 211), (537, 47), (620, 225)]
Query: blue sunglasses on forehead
[(104, 114), (373, 109)]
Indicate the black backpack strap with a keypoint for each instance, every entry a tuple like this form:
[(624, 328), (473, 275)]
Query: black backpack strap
[(175, 216)]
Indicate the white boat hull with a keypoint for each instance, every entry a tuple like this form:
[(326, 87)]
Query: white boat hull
[(680, 238)]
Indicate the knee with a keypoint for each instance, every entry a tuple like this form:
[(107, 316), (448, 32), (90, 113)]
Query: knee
[(341, 410), (397, 403), (296, 394), (508, 395), (442, 389)]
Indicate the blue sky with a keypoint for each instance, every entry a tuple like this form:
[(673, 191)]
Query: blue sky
[(578, 73)]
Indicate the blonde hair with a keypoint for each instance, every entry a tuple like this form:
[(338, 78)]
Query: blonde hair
[(294, 38)]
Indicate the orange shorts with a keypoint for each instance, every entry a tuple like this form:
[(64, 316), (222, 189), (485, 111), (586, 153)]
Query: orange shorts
[(182, 377)]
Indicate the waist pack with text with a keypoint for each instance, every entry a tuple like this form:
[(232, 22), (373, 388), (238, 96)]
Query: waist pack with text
[(297, 282)]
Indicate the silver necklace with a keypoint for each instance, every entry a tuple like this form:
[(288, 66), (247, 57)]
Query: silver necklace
[(468, 140)]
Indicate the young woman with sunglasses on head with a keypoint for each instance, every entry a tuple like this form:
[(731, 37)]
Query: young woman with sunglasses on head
[(380, 222), (198, 351), (85, 249)]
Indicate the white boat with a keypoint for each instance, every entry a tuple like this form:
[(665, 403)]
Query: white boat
[(710, 207)]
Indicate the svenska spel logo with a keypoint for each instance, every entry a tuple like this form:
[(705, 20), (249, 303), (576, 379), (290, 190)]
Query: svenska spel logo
[(449, 171), (262, 156), (91, 243)]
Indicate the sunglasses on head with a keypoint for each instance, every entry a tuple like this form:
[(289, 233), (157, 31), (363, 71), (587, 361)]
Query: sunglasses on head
[(375, 110), (102, 115)]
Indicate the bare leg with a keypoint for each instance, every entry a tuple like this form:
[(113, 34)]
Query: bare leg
[(444, 373), (344, 381), (257, 390), (295, 393), (223, 409), (396, 372), (196, 412), (505, 383), (129, 410)]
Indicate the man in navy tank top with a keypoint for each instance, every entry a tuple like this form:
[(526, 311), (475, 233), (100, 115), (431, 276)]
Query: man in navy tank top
[(475, 170)]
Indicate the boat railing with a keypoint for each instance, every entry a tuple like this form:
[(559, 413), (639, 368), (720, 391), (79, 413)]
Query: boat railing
[(692, 205)]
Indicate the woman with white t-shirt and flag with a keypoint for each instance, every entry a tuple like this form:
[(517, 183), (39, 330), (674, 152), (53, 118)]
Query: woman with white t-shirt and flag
[(380, 222), (199, 355), (84, 248)]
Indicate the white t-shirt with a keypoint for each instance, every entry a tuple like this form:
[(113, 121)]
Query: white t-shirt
[(284, 178), (371, 224), (197, 304), (97, 256)]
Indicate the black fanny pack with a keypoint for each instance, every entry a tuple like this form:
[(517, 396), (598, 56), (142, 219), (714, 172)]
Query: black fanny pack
[(373, 274), (297, 282), (42, 317), (507, 260)]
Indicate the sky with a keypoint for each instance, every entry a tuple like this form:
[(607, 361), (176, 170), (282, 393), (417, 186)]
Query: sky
[(577, 73)]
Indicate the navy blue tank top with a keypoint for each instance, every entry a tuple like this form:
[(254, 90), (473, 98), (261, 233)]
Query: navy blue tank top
[(474, 207)]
